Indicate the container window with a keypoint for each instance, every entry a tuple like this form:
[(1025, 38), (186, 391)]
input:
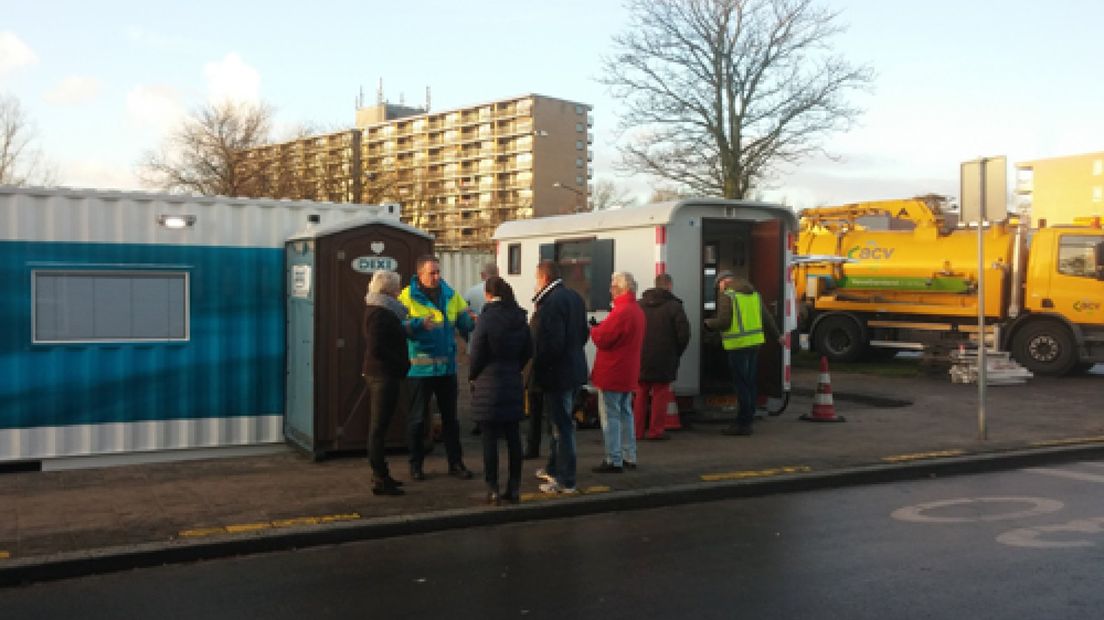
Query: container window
[(102, 306)]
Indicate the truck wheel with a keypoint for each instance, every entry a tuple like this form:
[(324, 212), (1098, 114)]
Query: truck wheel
[(1045, 348), (839, 338)]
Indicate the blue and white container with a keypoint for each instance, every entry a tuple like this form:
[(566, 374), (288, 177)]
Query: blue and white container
[(140, 322)]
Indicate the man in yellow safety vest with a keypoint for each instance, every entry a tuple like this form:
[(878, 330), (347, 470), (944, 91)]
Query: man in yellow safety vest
[(741, 317)]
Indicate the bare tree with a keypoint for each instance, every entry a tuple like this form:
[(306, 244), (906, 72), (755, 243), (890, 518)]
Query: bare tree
[(21, 163), (719, 92), (207, 153), (608, 195)]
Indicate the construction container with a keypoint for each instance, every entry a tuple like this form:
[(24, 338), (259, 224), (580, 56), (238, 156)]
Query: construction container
[(138, 322)]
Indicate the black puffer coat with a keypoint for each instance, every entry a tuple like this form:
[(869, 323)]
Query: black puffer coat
[(560, 334), (666, 334), (499, 348)]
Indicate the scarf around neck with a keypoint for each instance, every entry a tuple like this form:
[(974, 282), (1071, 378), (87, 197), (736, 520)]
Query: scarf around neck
[(387, 301)]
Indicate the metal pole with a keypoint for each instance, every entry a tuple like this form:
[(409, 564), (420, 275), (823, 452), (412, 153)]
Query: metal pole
[(981, 374)]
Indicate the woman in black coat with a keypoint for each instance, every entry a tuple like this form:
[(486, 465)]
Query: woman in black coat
[(499, 348)]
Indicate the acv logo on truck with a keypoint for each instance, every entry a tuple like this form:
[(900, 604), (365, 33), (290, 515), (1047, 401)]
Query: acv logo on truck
[(871, 251), (1086, 306)]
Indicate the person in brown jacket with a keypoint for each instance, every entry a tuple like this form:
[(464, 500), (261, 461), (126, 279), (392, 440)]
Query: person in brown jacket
[(666, 335), (385, 366)]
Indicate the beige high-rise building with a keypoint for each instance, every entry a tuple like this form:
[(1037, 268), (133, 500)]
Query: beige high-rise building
[(1063, 188), (457, 174)]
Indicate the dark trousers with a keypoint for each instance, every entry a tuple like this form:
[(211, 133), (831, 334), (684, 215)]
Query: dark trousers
[(535, 401), (511, 432), (383, 395), (422, 389), (744, 365)]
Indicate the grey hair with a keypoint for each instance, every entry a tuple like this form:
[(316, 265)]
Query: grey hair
[(489, 270), (624, 281), (384, 281)]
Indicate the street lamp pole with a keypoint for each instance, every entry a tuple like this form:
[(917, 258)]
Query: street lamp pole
[(577, 192)]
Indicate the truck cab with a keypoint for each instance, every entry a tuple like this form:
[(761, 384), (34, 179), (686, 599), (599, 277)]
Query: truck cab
[(1062, 327)]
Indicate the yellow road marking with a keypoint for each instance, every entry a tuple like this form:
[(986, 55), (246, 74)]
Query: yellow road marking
[(1069, 441), (247, 527), (919, 456), (4, 555), (243, 528), (350, 516), (296, 521), (591, 490), (758, 473)]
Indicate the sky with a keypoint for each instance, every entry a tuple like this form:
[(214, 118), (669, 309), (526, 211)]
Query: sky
[(104, 82)]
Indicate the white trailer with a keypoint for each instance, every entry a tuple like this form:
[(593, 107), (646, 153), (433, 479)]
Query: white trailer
[(692, 240)]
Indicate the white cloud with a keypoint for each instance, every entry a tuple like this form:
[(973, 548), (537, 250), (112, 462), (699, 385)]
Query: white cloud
[(231, 79), (74, 90), (14, 53), (97, 174), (154, 107)]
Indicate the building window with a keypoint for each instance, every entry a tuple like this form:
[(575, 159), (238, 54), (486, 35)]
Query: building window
[(579, 127), (513, 259), (579, 163), (109, 306), (1076, 255), (579, 145), (578, 180)]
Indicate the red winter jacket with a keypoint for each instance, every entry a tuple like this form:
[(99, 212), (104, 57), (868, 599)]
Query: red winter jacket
[(619, 339)]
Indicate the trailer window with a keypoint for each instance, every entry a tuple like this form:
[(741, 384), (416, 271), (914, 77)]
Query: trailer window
[(1075, 256), (513, 259), (109, 306), (586, 266)]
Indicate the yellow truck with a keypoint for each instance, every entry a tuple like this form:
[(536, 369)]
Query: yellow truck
[(871, 293)]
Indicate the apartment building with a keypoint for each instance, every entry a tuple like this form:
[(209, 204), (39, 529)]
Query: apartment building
[(457, 174), (1062, 188)]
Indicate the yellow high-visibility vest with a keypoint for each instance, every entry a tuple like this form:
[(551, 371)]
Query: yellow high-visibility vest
[(746, 328)]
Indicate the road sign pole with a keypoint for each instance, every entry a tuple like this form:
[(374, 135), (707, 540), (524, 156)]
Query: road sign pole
[(981, 374)]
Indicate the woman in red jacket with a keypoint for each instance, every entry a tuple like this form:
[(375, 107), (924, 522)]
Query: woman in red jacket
[(619, 339)]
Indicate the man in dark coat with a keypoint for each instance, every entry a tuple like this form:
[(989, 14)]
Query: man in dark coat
[(666, 334), (385, 367), (559, 369), (500, 346)]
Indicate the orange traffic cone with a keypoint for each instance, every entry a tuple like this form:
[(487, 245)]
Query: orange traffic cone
[(671, 422), (824, 410)]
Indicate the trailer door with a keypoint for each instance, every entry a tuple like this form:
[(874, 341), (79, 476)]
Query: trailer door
[(754, 251), (766, 274)]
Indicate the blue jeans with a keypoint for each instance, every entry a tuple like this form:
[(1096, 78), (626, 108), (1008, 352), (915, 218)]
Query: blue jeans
[(744, 364), (561, 447), (615, 412)]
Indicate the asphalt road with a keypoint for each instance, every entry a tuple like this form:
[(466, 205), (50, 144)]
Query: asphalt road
[(1021, 544)]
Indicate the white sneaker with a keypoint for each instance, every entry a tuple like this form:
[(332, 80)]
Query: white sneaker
[(554, 488), (544, 475)]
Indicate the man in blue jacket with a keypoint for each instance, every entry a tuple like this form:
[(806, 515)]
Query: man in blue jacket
[(436, 312), (559, 369)]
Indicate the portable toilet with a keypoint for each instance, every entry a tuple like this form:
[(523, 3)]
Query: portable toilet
[(328, 271)]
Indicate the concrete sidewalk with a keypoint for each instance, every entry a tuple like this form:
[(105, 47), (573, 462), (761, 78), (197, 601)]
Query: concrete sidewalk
[(64, 523)]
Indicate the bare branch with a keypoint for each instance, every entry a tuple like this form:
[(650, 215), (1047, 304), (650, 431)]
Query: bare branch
[(717, 92), (21, 163), (208, 152)]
